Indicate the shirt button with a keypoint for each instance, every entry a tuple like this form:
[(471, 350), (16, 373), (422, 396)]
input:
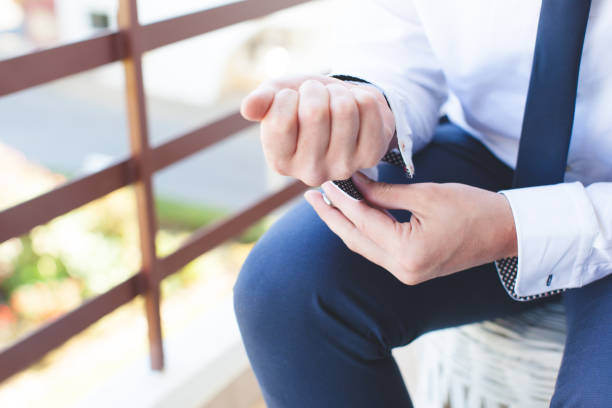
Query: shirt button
[(568, 168)]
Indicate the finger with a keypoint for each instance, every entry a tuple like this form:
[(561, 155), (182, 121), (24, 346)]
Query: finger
[(313, 133), (255, 105), (279, 130), (369, 146), (344, 129), (348, 233), (376, 225), (391, 196)]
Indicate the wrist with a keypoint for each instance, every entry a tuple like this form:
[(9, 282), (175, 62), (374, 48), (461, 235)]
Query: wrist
[(509, 242)]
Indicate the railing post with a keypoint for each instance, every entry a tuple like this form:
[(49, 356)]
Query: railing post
[(141, 152)]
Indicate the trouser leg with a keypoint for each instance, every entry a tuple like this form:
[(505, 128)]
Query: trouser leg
[(585, 377)]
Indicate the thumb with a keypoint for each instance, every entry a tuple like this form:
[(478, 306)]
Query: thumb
[(255, 105), (385, 195)]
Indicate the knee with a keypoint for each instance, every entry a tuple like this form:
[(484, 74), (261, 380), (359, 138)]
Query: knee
[(281, 279), (300, 283), (258, 292)]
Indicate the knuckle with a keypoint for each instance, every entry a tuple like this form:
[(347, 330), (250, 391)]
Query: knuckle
[(413, 265), (310, 84), (281, 166), (367, 101), (350, 244), (286, 95), (313, 112), (286, 92), (401, 274), (313, 180), (309, 181), (361, 225), (343, 108), (279, 124), (406, 275), (371, 161), (408, 278), (343, 171), (317, 173)]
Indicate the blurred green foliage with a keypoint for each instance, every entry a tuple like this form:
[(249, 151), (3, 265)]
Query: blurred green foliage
[(56, 266), (30, 267), (182, 216)]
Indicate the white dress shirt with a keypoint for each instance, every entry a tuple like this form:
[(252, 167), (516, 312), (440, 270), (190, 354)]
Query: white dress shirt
[(472, 59)]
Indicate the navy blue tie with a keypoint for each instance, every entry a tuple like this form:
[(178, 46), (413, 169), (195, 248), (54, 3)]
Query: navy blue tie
[(551, 99)]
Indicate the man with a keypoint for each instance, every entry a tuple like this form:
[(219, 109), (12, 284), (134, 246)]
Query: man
[(321, 304)]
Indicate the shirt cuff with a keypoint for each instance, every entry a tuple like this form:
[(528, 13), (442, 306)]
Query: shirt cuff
[(552, 227), (403, 131)]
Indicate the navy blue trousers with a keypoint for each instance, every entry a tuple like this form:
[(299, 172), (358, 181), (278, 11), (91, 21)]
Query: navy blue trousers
[(319, 322)]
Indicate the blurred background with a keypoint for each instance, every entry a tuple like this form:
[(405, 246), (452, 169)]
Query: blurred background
[(71, 127), (68, 129)]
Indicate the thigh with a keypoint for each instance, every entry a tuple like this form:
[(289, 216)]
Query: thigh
[(585, 377)]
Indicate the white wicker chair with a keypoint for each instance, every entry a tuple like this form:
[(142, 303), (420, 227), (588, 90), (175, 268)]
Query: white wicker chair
[(509, 362)]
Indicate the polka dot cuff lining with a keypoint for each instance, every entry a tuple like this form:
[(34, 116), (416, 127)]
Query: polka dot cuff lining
[(507, 269)]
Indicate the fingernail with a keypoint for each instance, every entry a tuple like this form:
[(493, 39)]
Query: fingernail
[(309, 196), (327, 200)]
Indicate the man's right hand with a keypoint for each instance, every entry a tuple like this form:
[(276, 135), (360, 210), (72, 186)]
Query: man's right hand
[(318, 128)]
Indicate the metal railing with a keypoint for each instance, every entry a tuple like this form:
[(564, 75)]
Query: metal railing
[(128, 45)]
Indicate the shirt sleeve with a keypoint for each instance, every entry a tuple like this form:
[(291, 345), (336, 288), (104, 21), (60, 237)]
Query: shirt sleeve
[(564, 235), (383, 42)]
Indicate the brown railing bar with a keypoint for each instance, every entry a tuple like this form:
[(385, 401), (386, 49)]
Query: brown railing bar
[(197, 140), (34, 346), (209, 237), (21, 218), (180, 28), (22, 72), (143, 186), (47, 65)]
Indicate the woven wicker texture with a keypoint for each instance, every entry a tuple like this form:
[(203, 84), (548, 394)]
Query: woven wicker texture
[(509, 362)]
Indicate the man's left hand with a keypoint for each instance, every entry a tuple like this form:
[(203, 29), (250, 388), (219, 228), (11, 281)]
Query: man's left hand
[(453, 227)]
